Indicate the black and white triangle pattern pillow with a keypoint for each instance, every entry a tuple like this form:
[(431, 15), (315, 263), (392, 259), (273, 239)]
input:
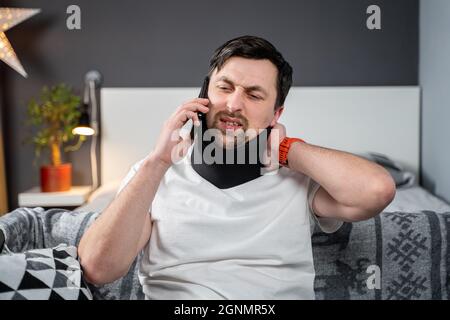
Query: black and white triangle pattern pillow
[(43, 274)]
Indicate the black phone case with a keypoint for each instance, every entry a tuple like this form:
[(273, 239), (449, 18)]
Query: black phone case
[(203, 94)]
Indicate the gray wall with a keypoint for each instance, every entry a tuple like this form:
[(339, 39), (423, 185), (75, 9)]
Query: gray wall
[(435, 82), (168, 43)]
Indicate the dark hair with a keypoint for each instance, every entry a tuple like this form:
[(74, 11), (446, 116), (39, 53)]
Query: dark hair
[(255, 48)]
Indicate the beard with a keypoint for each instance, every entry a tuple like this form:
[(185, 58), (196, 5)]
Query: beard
[(231, 136)]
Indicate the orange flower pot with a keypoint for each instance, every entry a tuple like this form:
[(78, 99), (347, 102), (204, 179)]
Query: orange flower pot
[(56, 178)]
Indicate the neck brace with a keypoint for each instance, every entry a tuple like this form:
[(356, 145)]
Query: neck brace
[(227, 175)]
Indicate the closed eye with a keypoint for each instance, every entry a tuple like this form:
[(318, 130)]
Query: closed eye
[(223, 88), (255, 97)]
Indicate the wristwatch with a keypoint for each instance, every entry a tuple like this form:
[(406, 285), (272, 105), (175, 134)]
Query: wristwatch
[(285, 145)]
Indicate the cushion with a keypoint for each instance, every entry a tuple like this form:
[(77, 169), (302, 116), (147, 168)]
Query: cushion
[(42, 274), (401, 177), (33, 228)]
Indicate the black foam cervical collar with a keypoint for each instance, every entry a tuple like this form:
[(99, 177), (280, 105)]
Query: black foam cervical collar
[(224, 175)]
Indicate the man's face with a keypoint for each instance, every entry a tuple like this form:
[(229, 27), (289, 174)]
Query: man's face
[(242, 96)]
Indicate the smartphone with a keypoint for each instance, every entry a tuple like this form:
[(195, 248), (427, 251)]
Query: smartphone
[(203, 94)]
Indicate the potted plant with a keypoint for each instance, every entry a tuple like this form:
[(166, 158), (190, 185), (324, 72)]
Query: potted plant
[(54, 115)]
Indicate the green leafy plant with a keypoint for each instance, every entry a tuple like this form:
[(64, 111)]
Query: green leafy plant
[(54, 115)]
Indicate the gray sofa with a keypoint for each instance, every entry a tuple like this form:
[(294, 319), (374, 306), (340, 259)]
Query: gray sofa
[(396, 255)]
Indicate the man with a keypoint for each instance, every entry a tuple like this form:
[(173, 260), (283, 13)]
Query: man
[(226, 230)]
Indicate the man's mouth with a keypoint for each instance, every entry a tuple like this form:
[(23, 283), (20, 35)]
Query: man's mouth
[(228, 123)]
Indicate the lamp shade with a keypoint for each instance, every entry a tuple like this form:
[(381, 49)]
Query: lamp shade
[(84, 127)]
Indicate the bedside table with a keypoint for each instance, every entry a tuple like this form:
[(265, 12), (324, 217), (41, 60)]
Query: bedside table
[(73, 198)]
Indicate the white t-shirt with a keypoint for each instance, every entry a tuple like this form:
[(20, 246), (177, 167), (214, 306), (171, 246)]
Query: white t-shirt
[(251, 241)]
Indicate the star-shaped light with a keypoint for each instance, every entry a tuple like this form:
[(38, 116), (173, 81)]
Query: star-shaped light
[(9, 17)]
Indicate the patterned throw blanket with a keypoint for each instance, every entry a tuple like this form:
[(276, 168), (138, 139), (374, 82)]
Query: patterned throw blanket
[(397, 255), (407, 251)]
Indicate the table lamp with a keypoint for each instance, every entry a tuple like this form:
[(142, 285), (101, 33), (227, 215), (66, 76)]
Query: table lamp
[(88, 123)]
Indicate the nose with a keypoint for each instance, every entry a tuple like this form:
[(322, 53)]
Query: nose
[(235, 101)]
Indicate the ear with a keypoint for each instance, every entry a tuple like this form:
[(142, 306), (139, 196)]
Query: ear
[(276, 116)]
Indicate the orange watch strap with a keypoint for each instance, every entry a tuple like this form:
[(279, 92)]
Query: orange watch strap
[(285, 145)]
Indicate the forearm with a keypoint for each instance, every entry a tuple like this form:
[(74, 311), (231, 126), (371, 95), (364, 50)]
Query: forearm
[(350, 180), (111, 244)]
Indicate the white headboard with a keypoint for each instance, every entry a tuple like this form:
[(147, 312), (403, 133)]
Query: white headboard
[(354, 119)]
